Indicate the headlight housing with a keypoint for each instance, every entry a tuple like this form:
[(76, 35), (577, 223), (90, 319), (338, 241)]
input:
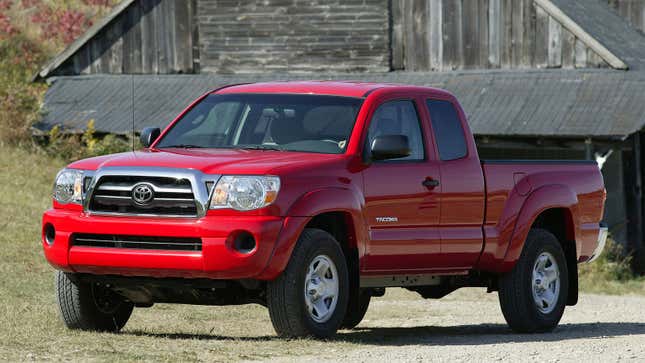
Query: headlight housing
[(68, 187), (245, 192)]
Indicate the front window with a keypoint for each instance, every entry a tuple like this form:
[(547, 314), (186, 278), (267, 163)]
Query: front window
[(308, 123)]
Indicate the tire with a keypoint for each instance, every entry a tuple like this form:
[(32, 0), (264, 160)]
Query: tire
[(359, 301), (290, 309), (521, 309), (83, 306)]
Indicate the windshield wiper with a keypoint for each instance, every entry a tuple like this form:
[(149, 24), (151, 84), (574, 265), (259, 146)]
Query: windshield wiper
[(182, 146), (260, 147)]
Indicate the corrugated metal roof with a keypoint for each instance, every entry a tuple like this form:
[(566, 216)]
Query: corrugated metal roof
[(578, 103)]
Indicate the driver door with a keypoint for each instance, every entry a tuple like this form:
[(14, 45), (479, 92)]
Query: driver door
[(401, 206)]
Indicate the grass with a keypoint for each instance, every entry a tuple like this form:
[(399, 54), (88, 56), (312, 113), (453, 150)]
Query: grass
[(31, 330), (610, 274)]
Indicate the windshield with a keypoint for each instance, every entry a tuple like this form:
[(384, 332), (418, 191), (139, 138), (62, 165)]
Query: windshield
[(309, 123)]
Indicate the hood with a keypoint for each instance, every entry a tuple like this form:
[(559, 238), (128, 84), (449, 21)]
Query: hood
[(209, 161)]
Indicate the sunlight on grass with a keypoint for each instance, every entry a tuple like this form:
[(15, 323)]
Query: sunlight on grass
[(610, 274)]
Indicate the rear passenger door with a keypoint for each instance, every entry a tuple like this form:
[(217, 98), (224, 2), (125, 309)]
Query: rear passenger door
[(402, 211), (462, 180)]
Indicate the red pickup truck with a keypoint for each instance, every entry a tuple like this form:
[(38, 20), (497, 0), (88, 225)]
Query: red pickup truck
[(310, 198)]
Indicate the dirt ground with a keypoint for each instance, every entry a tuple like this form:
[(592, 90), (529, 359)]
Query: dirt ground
[(465, 326), (469, 326)]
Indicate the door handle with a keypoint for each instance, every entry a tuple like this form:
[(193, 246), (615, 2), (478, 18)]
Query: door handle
[(430, 183)]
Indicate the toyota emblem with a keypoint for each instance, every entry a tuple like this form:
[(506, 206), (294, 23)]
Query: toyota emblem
[(142, 194)]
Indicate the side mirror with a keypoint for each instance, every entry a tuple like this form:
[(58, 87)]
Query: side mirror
[(149, 135), (390, 147)]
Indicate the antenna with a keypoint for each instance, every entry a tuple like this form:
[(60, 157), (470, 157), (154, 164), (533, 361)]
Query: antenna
[(133, 126)]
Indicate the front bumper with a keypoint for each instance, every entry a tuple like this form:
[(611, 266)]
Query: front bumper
[(602, 240), (217, 259)]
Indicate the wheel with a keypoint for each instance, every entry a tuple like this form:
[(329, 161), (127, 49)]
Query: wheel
[(310, 297), (534, 294), (85, 306), (359, 301)]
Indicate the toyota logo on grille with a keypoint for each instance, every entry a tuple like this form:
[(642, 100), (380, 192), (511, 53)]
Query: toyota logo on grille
[(142, 193)]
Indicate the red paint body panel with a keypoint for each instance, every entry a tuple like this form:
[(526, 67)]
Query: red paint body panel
[(477, 218)]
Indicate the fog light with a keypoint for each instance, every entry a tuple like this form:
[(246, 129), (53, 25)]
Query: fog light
[(49, 233), (244, 242)]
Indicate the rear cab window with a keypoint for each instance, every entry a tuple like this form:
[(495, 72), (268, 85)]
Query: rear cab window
[(448, 130)]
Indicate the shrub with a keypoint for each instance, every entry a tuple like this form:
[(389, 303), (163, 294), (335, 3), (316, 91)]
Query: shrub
[(19, 98), (87, 144)]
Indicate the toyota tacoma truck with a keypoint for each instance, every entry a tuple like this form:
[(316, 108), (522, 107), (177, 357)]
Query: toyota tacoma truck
[(310, 198)]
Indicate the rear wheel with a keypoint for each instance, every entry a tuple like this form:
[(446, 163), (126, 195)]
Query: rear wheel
[(87, 306), (310, 297), (533, 295)]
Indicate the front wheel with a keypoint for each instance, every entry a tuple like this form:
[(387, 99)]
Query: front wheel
[(533, 295), (85, 306), (359, 301), (310, 297)]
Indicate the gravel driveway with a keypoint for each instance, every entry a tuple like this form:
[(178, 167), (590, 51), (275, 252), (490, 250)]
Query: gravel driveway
[(468, 326)]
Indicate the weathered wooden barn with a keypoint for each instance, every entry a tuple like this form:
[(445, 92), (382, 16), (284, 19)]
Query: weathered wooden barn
[(538, 78)]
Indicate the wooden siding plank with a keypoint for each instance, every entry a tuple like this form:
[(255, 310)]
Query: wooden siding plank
[(417, 55), (421, 17), (183, 38), (397, 43), (483, 33), (470, 21), (568, 49), (132, 41), (195, 37), (494, 33), (149, 58), (115, 42), (517, 31), (528, 39), (161, 38), (409, 36), (171, 37), (580, 54), (435, 38), (541, 38), (453, 53), (507, 38), (555, 44)]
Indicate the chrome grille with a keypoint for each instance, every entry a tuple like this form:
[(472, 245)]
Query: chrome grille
[(113, 194), (137, 242)]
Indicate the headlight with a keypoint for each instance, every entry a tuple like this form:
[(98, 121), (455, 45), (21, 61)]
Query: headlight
[(68, 187), (245, 192)]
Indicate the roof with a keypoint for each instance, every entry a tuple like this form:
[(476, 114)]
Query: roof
[(605, 27), (318, 87), (574, 103)]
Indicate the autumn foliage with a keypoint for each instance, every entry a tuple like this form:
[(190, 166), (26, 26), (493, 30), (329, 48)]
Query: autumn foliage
[(31, 32)]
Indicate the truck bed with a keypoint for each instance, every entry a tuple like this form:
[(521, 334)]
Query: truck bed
[(515, 187)]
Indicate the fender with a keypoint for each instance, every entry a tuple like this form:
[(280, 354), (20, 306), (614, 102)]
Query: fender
[(543, 198), (302, 211)]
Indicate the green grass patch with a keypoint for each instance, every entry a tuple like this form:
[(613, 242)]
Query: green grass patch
[(611, 273)]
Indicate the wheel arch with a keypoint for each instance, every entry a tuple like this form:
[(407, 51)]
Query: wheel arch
[(334, 210), (544, 206), (554, 209)]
